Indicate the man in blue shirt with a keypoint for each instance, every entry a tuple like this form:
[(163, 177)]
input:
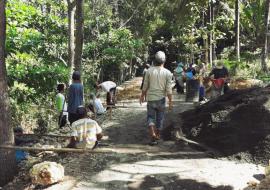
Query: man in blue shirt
[(75, 96)]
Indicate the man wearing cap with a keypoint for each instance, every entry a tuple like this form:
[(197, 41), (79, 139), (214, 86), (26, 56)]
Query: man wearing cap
[(222, 73), (157, 85)]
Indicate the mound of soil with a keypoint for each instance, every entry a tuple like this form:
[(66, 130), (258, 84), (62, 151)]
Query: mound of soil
[(237, 124)]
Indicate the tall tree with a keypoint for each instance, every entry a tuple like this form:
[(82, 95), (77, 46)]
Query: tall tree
[(71, 29), (237, 29), (211, 33), (266, 40), (7, 157), (78, 35)]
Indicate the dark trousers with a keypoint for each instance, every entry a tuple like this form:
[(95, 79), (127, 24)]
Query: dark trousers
[(226, 88), (62, 120), (179, 88), (111, 96), (72, 117)]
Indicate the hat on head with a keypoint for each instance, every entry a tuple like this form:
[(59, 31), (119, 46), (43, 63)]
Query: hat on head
[(194, 65), (219, 64), (180, 64)]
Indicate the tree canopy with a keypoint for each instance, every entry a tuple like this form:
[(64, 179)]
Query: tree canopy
[(119, 37)]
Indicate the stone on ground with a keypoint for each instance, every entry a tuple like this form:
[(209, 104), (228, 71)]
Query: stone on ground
[(47, 173)]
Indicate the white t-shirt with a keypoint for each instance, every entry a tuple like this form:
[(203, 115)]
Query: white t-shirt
[(98, 106), (107, 86)]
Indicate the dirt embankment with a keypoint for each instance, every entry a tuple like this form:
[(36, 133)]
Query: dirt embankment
[(236, 124)]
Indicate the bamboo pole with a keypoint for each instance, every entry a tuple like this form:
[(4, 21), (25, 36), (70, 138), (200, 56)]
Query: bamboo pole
[(44, 135), (120, 150), (75, 150), (139, 107), (25, 148), (137, 101)]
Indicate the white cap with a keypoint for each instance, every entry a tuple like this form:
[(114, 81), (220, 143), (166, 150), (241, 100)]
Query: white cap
[(160, 57)]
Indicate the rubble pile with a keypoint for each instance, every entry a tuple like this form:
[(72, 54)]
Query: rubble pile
[(237, 124)]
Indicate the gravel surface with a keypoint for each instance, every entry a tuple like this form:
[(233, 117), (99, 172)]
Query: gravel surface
[(169, 165)]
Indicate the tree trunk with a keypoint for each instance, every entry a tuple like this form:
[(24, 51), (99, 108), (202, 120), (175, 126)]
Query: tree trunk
[(205, 39), (265, 48), (237, 29), (214, 56), (78, 35), (7, 158), (71, 37), (211, 34)]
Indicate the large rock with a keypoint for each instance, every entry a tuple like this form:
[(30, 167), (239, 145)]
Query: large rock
[(47, 173)]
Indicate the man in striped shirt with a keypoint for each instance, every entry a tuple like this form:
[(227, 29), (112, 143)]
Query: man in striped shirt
[(85, 132)]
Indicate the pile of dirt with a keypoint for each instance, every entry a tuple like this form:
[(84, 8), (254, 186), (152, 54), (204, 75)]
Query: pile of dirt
[(129, 89), (237, 124)]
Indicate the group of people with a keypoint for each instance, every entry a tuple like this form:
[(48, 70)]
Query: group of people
[(157, 85), (218, 78), (85, 131), (182, 74)]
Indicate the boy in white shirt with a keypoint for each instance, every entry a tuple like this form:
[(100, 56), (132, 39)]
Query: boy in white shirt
[(96, 105)]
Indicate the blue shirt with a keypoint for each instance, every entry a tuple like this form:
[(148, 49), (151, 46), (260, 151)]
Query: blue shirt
[(75, 97)]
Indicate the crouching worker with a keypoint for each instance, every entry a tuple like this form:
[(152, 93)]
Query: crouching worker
[(85, 132), (96, 105), (110, 88)]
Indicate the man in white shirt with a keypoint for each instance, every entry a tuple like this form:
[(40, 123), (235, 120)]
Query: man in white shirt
[(157, 85), (96, 105), (110, 88)]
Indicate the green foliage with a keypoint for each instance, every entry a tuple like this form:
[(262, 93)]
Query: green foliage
[(118, 38), (34, 73), (252, 21), (108, 48), (35, 46)]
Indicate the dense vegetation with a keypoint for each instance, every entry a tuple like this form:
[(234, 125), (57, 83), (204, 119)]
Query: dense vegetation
[(119, 37)]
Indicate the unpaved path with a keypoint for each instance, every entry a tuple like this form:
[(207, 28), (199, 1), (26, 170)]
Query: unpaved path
[(168, 165), (173, 166)]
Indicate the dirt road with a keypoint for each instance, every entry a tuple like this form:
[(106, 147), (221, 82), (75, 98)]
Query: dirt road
[(168, 165)]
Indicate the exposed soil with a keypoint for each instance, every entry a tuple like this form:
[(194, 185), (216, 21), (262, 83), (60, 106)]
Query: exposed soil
[(236, 124), (169, 165)]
